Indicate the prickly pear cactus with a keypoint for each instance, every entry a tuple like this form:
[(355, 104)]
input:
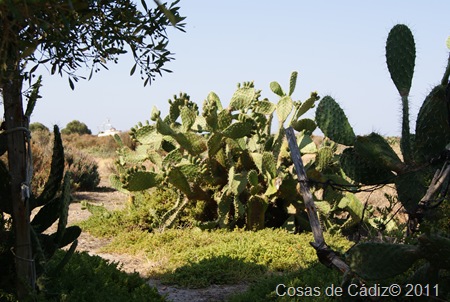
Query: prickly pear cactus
[(400, 59), (230, 159), (225, 156), (370, 160)]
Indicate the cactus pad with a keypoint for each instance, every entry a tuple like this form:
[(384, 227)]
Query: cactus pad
[(256, 209), (306, 124), (188, 117), (376, 261), (432, 126), (411, 188), (292, 82), (242, 98), (400, 57), (284, 108), (276, 88), (363, 171), (265, 107), (333, 122), (142, 180), (214, 144), (308, 104), (374, 148), (238, 130), (214, 98), (324, 157)]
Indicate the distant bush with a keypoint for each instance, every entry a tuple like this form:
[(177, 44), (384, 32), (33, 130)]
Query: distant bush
[(84, 170), (34, 127), (76, 127)]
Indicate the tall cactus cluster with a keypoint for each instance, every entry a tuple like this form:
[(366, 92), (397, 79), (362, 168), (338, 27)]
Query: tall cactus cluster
[(227, 158), (369, 160), (53, 203)]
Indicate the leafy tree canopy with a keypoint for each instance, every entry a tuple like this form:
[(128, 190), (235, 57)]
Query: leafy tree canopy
[(38, 127), (70, 34), (76, 127)]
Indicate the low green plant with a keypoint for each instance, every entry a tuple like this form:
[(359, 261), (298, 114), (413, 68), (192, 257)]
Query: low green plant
[(307, 284), (145, 212), (91, 278), (187, 256)]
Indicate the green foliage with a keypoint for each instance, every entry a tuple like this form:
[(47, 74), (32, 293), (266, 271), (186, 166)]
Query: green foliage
[(76, 127), (34, 127), (187, 256), (68, 42), (91, 278)]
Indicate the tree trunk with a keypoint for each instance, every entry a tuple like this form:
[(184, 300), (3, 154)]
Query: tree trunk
[(17, 152)]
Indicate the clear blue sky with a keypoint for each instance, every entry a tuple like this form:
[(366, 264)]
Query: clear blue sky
[(337, 47)]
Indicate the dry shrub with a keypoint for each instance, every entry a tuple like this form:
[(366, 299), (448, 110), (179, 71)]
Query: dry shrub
[(83, 168)]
